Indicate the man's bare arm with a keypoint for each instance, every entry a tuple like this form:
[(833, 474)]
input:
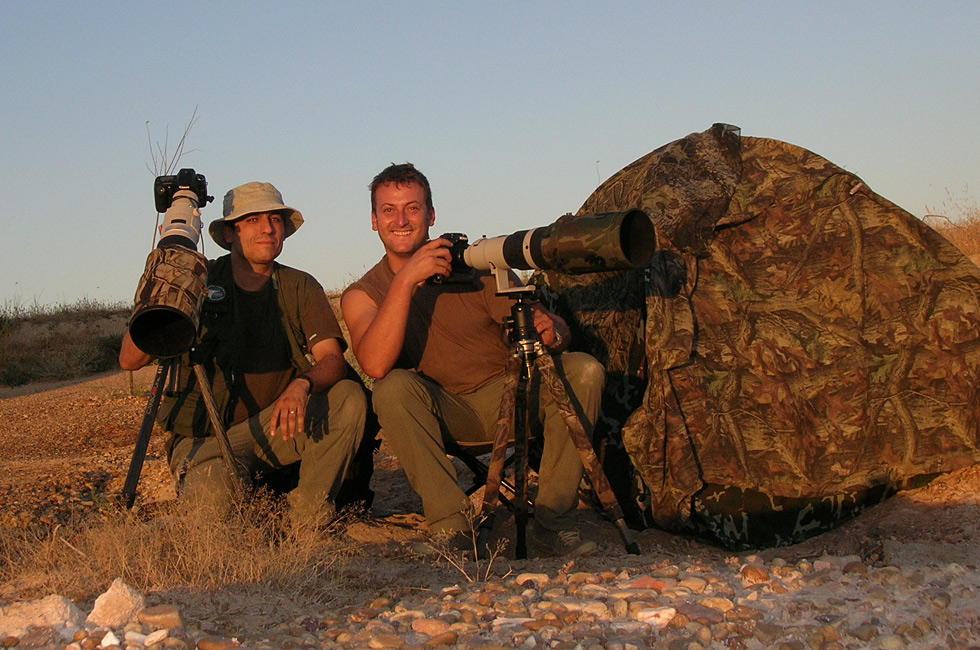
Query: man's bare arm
[(377, 334), (130, 356), (378, 331)]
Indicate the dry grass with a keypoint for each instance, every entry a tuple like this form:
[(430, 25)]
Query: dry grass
[(472, 564), (178, 548), (175, 547), (958, 220), (40, 343), (79, 310)]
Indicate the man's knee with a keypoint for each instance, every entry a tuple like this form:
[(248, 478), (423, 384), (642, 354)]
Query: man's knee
[(583, 370), (396, 389), (206, 485), (347, 403)]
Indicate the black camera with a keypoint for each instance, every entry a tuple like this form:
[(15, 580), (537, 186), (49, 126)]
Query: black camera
[(461, 272), (185, 179)]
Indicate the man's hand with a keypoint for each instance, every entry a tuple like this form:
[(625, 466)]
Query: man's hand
[(552, 330), (289, 411), (432, 258), (130, 356)]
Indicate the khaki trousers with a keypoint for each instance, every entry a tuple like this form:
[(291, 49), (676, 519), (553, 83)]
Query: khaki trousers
[(416, 415), (331, 435)]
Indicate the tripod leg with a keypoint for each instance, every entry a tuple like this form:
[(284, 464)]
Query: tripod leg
[(143, 438), (586, 452), (521, 436), (227, 455), (505, 426)]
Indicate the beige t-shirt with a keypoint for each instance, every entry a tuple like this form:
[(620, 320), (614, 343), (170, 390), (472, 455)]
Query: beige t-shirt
[(454, 334)]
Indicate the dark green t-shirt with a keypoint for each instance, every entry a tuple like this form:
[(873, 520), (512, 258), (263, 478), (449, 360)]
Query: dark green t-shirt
[(262, 365), (246, 346)]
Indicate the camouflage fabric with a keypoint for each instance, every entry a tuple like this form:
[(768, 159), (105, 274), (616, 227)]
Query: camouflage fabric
[(807, 348), (598, 242), (167, 306), (610, 314)]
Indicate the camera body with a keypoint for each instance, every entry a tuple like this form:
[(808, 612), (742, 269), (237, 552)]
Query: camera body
[(461, 272), (186, 179)]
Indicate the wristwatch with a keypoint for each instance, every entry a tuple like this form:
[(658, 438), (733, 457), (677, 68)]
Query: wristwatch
[(558, 339)]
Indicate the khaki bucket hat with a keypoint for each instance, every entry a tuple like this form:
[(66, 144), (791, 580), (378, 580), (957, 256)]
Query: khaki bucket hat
[(251, 198)]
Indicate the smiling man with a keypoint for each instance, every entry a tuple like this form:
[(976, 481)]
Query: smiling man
[(439, 355), (273, 351)]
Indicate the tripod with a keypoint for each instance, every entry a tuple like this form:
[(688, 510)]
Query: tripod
[(529, 355), (167, 368)]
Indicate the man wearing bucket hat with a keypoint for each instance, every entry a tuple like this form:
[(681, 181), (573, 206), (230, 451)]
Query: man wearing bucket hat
[(273, 352)]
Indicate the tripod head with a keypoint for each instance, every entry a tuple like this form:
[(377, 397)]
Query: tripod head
[(520, 324)]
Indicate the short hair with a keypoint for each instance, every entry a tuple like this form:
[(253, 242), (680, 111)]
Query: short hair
[(403, 174)]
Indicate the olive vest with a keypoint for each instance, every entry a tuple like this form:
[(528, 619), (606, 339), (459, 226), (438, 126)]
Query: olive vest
[(182, 411)]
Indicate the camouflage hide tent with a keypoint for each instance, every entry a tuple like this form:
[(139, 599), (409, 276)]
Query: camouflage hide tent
[(799, 348)]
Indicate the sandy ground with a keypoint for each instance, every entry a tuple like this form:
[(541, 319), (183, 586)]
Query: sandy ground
[(68, 445)]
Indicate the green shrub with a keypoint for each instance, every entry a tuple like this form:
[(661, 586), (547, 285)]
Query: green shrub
[(14, 374)]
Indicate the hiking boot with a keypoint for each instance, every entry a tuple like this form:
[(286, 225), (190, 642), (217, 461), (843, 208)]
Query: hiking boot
[(562, 543)]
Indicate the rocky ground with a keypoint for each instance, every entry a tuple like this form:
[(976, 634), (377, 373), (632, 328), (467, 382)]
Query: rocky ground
[(902, 575)]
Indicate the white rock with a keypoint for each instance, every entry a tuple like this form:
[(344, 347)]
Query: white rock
[(135, 637), (657, 617), (109, 639), (510, 621), (539, 579), (56, 612), (954, 570), (117, 606), (156, 637)]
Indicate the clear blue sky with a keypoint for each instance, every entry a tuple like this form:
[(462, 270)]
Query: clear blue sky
[(515, 111)]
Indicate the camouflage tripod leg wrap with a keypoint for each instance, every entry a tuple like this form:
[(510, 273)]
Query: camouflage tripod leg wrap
[(505, 426), (495, 470), (546, 365)]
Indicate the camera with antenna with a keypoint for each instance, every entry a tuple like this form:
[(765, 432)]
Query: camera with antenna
[(166, 308), (165, 187)]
